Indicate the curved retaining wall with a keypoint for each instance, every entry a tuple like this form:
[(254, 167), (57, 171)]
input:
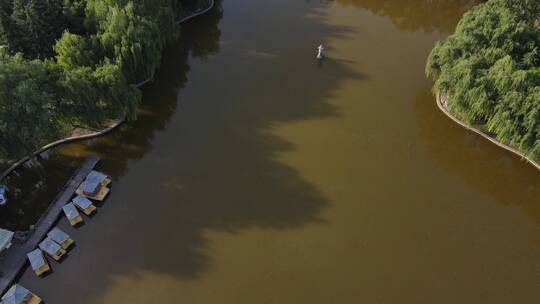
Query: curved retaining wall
[(212, 3), (98, 133), (441, 103), (59, 142)]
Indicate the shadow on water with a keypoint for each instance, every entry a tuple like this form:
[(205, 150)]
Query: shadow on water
[(28, 187), (31, 188), (482, 165), (209, 164)]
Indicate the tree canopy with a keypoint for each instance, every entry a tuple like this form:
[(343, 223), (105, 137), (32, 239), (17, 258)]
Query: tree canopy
[(76, 62), (489, 71), (31, 111)]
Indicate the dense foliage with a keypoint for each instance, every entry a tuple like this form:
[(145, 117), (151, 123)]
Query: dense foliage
[(489, 71), (30, 113), (66, 63)]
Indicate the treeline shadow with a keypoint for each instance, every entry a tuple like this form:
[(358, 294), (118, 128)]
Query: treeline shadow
[(202, 155), (31, 188)]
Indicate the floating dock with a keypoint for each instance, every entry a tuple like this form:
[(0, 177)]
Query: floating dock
[(94, 187), (84, 204), (38, 262), (14, 259), (19, 294), (73, 216), (60, 237), (52, 249)]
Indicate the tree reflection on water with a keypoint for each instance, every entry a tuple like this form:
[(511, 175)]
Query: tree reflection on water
[(415, 15)]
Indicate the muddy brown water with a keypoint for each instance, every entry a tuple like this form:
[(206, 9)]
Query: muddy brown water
[(255, 174)]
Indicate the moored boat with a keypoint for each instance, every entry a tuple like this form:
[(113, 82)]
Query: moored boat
[(3, 197)]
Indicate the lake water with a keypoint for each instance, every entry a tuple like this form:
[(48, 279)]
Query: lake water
[(255, 174)]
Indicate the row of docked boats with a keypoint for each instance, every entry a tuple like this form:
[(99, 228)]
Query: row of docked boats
[(57, 243), (94, 188)]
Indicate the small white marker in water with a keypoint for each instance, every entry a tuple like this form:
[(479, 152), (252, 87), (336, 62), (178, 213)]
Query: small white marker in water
[(320, 53)]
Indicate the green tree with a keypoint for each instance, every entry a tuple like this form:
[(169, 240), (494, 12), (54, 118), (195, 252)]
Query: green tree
[(27, 104), (75, 63), (489, 71), (74, 51), (35, 26), (131, 40), (5, 12)]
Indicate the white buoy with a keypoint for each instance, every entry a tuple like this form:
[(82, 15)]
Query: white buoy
[(320, 53)]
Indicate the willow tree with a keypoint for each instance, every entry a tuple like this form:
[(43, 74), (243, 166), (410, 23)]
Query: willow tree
[(90, 53), (489, 71), (133, 33)]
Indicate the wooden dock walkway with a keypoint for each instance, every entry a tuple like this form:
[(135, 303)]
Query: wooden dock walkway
[(14, 259)]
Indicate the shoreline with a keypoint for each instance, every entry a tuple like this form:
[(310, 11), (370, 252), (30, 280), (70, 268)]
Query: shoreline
[(114, 124), (441, 103), (73, 137)]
